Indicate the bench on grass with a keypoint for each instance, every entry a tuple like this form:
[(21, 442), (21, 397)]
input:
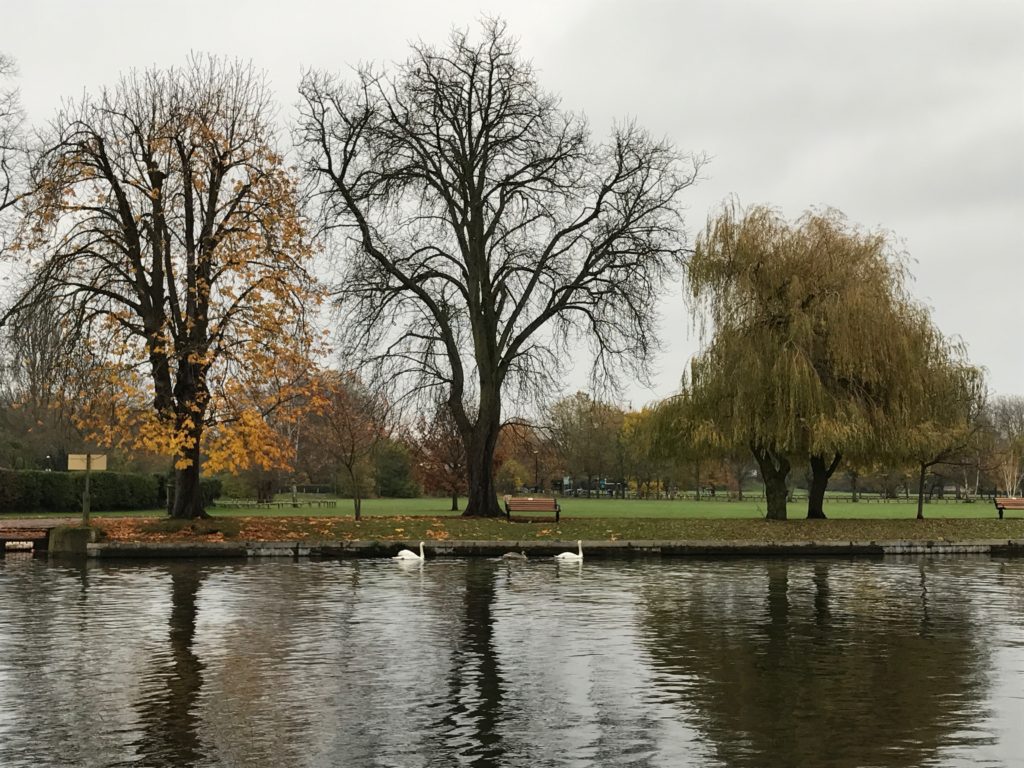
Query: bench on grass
[(525, 505), (1003, 503)]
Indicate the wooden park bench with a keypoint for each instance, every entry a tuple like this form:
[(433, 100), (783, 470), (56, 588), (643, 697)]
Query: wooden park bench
[(1004, 503), (524, 505)]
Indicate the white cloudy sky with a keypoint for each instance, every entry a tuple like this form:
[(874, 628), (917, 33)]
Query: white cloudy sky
[(905, 114)]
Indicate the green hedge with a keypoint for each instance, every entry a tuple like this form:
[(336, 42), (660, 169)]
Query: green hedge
[(34, 491)]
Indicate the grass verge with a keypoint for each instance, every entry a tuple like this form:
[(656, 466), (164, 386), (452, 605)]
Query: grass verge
[(427, 528)]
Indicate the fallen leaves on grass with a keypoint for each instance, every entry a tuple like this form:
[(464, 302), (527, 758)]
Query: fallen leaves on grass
[(224, 528)]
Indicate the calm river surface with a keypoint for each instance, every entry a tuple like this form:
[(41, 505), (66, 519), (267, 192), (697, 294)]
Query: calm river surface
[(896, 662)]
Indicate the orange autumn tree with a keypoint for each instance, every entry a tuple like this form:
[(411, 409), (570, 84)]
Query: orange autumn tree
[(262, 408), (164, 217)]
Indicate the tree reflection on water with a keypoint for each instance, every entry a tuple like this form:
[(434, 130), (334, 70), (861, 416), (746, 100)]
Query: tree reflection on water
[(168, 710), (825, 664), (681, 663)]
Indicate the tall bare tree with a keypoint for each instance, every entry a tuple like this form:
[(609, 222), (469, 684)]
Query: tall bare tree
[(11, 117), (39, 368), (164, 218), (12, 148), (1006, 414), (485, 231)]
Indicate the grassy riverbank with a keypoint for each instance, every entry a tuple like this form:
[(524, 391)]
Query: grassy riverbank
[(430, 528)]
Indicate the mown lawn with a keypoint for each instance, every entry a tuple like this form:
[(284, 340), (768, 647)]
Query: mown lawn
[(642, 508), (627, 509)]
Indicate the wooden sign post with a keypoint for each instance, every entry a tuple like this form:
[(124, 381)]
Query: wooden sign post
[(88, 463)]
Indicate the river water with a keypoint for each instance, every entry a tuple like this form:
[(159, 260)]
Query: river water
[(760, 663)]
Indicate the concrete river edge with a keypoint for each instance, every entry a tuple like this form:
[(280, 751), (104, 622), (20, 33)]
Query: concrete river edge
[(547, 549)]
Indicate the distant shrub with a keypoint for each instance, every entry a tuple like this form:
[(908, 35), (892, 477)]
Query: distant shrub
[(211, 489)]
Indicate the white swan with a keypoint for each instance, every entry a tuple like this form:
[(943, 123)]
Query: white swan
[(572, 555), (408, 554)]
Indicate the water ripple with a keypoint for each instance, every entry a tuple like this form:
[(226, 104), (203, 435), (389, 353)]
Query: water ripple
[(901, 662)]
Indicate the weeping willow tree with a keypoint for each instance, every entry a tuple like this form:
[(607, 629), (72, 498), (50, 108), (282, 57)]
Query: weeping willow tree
[(810, 344)]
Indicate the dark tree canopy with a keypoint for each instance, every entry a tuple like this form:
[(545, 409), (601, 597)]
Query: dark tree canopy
[(485, 232)]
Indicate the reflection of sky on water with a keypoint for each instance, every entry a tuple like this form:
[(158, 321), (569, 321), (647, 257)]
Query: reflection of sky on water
[(662, 663)]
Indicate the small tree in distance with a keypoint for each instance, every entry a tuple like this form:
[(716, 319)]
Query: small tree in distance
[(940, 417), (485, 231), (1006, 413), (439, 454), (353, 423)]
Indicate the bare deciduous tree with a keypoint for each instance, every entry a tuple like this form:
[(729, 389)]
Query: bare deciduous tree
[(1006, 413), (40, 365), (11, 117), (486, 233), (12, 149)]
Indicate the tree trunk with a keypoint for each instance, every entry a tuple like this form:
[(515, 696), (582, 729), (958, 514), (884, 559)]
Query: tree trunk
[(357, 500), (920, 492), (188, 498), (774, 470), (455, 501), (480, 445), (820, 475), (191, 398), (483, 496)]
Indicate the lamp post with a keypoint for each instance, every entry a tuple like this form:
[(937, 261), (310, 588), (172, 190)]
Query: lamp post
[(536, 472)]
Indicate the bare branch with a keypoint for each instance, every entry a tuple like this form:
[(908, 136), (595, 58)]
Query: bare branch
[(484, 229)]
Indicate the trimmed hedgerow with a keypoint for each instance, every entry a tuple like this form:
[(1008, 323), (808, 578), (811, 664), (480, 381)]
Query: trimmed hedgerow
[(36, 491)]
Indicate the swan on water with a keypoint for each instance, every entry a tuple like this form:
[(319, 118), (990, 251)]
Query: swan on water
[(408, 554), (572, 555), (514, 556)]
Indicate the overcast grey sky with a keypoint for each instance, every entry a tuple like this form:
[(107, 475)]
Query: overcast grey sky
[(905, 114)]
